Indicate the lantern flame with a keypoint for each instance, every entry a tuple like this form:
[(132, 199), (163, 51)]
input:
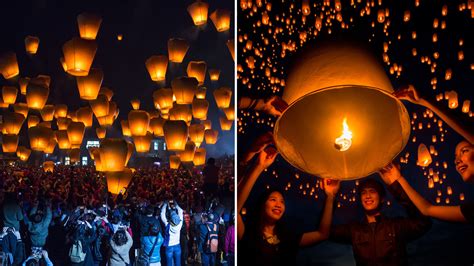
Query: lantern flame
[(344, 142)]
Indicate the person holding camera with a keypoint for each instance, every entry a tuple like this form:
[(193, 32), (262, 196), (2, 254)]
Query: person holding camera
[(38, 224), (208, 239), (172, 218), (120, 244)]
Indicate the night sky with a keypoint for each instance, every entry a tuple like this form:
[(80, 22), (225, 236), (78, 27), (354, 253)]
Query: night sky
[(146, 26), (446, 243)]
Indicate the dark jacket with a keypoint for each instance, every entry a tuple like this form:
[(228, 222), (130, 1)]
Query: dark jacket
[(203, 234), (384, 242)]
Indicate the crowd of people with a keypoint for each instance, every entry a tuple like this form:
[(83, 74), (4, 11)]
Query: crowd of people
[(67, 217)]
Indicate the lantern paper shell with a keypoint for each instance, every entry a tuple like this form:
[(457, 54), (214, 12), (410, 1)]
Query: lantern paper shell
[(199, 157), (118, 181), (100, 106), (60, 110), (101, 132), (210, 136), (23, 83), (198, 11), (156, 66), (33, 121), (214, 74), (221, 19), (184, 89), (142, 143), (453, 100), (89, 85), (39, 137), (23, 153), (63, 123), (163, 98), (176, 135), (21, 108), (78, 55), (225, 124), (41, 80), (188, 154), (177, 49), (9, 94), (201, 93), (31, 44), (63, 64), (196, 134), (45, 124), (36, 96), (231, 47), (135, 104), (207, 124), (10, 143), (12, 123), (9, 65), (200, 109), (48, 166), (174, 161), (106, 121), (424, 157), (198, 70), (229, 113), (181, 112), (89, 25), (75, 132), (84, 115), (125, 128), (75, 155), (51, 146), (156, 126), (63, 139), (113, 154), (223, 96), (335, 82), (47, 113), (130, 149), (2, 104), (107, 92), (138, 122)]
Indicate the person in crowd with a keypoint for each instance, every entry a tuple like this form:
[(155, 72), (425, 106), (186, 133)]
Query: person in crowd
[(120, 245), (151, 244), (38, 224), (208, 240), (229, 247), (172, 218), (11, 242)]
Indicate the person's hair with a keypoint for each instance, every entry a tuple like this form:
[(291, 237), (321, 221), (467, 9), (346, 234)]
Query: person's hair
[(371, 183), (154, 230), (256, 216), (37, 217), (120, 237)]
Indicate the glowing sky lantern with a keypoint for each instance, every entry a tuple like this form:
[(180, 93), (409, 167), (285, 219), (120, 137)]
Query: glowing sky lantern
[(113, 154), (214, 74), (78, 56), (9, 143), (101, 132), (156, 126), (453, 100), (177, 49), (36, 96), (31, 44), (60, 110), (63, 139), (63, 123), (200, 109), (221, 19), (117, 182), (12, 122), (23, 153), (210, 136), (21, 108), (181, 112), (135, 104), (89, 25), (225, 123), (107, 92), (156, 66), (39, 137), (163, 98), (138, 122), (48, 166), (231, 47), (75, 132), (229, 113), (9, 65), (424, 157), (84, 115), (176, 134), (33, 120), (142, 143), (100, 106), (23, 83), (196, 134), (201, 93), (184, 89), (198, 12), (51, 145), (174, 161), (199, 157), (223, 96), (125, 128), (89, 85), (9, 94), (188, 154), (466, 106), (306, 7), (197, 69)]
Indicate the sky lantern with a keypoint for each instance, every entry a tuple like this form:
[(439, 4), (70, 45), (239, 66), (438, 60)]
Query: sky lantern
[(9, 94), (207, 124), (51, 145), (100, 106), (142, 143), (223, 96), (214, 74), (23, 83), (381, 16), (36, 96), (138, 122), (177, 49), (125, 128), (48, 166), (63, 63), (198, 12), (221, 19), (154, 113), (174, 161), (12, 123), (181, 112), (45, 124), (101, 132), (305, 7), (197, 69), (89, 85), (176, 135), (156, 66), (107, 92), (230, 45), (163, 98), (156, 126), (201, 93), (188, 154), (453, 100), (200, 109), (135, 104), (39, 137), (78, 56), (107, 120), (21, 108), (424, 157), (210, 136), (23, 153), (89, 25), (225, 123), (9, 65), (75, 132), (84, 115), (199, 157), (31, 44), (41, 80), (348, 94), (229, 112), (33, 120), (113, 154), (130, 149), (466, 106), (63, 139), (63, 123), (196, 134), (2, 104), (9, 143), (60, 110), (184, 89), (117, 182)]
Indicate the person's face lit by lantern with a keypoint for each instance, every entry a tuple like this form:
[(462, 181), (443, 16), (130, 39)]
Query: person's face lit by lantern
[(370, 199), (465, 160), (274, 207)]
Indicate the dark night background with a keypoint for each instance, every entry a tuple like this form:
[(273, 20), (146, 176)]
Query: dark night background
[(146, 26), (446, 243)]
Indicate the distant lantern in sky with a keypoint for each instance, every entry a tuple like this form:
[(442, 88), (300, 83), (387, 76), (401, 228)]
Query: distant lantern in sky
[(196, 133), (381, 16), (181, 112), (39, 137), (201, 93), (223, 96), (197, 69), (31, 44), (9, 94), (23, 83), (453, 100), (60, 110), (424, 157), (163, 98), (214, 74), (48, 166), (63, 139), (199, 157), (210, 136), (184, 89), (176, 134), (89, 25), (12, 122), (125, 128), (156, 66), (100, 106), (78, 56), (142, 143), (135, 104), (9, 65), (84, 115), (33, 120), (230, 46), (113, 154), (174, 161), (9, 143), (200, 108), (221, 19), (306, 7), (207, 124), (21, 108), (177, 49), (63, 122), (229, 112), (188, 154), (23, 153), (138, 122), (107, 92), (36, 96), (89, 85), (156, 126), (101, 132), (225, 123), (117, 182), (198, 11), (119, 37), (466, 106), (47, 113), (75, 132)]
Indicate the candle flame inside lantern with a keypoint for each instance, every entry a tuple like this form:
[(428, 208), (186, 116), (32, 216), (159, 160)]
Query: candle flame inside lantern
[(344, 142)]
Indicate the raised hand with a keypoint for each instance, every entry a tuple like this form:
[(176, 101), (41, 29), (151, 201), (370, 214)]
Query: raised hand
[(274, 106), (267, 157), (390, 173), (331, 187), (408, 93), (261, 142)]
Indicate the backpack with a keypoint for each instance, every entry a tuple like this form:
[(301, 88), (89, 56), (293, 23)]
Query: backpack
[(76, 253), (212, 239)]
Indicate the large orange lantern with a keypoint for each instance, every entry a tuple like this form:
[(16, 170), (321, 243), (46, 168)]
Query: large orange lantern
[(51, 145), (75, 132), (210, 136), (188, 154), (125, 128), (33, 120), (89, 25), (84, 115), (23, 83), (101, 132), (10, 143), (31, 44), (142, 143), (200, 109), (63, 139), (198, 11), (156, 66), (199, 157), (221, 19), (21, 108), (138, 122), (356, 124), (113, 154), (196, 134), (174, 161), (230, 45), (12, 123), (9, 94), (107, 92), (23, 153), (177, 49), (100, 106), (117, 182), (63, 123), (229, 113), (47, 113), (225, 123), (89, 85), (176, 135), (48, 166), (156, 126), (36, 96), (78, 55), (39, 137), (198, 70), (135, 104), (60, 110), (9, 65), (214, 74), (75, 155), (201, 93), (424, 157), (223, 96), (163, 98), (106, 121), (207, 124), (184, 89), (181, 112)]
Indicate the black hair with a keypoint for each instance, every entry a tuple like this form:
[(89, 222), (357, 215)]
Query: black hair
[(120, 237), (372, 183), (256, 217)]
